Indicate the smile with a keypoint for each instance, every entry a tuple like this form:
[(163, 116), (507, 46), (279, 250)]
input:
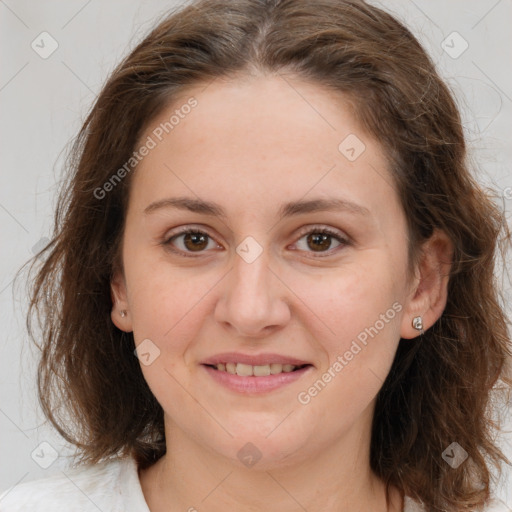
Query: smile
[(249, 379), (247, 370)]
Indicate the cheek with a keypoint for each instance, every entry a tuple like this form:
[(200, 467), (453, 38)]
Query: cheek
[(354, 317), (345, 301), (169, 306), (368, 332), (165, 302)]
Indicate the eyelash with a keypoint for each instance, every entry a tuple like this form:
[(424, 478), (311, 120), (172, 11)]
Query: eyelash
[(325, 231)]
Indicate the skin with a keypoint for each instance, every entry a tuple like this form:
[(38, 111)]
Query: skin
[(251, 144)]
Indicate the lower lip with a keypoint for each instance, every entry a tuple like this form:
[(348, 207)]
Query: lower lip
[(256, 384)]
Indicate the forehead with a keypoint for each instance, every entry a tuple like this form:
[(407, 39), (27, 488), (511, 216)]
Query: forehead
[(257, 138)]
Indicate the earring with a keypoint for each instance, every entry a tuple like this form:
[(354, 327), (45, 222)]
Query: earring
[(123, 313), (417, 323)]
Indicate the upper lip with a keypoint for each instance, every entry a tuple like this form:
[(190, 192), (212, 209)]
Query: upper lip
[(253, 360)]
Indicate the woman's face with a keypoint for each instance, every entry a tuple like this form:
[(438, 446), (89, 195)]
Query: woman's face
[(258, 168)]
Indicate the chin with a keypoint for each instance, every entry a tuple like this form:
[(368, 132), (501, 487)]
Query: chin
[(257, 450)]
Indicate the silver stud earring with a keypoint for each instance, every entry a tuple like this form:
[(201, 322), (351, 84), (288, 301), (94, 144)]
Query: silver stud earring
[(417, 323), (123, 313)]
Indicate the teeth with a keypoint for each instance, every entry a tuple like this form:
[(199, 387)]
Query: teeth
[(247, 370), (276, 368), (261, 371), (244, 370)]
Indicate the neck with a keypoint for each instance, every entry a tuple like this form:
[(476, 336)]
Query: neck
[(191, 478)]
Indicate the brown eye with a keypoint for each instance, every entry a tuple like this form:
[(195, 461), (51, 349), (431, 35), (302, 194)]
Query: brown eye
[(189, 241), (320, 240), (195, 241)]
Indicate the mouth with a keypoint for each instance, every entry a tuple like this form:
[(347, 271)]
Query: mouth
[(255, 374), (262, 370)]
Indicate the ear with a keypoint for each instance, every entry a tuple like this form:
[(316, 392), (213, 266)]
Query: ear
[(120, 314), (429, 290)]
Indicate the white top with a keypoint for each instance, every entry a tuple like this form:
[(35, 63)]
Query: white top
[(111, 486)]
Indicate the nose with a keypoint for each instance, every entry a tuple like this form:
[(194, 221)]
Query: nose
[(253, 300)]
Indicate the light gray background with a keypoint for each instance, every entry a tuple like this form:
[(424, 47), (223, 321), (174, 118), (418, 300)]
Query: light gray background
[(44, 101)]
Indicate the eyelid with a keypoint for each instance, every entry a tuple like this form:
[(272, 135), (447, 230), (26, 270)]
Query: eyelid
[(315, 228), (183, 230), (344, 239)]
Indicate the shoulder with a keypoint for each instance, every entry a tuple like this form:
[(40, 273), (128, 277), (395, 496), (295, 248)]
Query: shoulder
[(110, 485), (494, 505), (411, 505)]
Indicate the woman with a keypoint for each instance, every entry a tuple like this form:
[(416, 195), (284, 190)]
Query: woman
[(271, 209)]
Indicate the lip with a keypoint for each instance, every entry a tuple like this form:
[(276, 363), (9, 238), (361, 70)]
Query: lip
[(254, 359), (255, 385)]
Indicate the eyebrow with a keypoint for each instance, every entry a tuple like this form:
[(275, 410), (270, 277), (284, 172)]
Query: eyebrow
[(287, 210)]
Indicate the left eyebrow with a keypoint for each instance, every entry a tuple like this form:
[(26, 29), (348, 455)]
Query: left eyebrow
[(287, 210), (318, 205)]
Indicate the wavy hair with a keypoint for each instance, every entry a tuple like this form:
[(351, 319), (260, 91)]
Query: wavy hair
[(442, 386)]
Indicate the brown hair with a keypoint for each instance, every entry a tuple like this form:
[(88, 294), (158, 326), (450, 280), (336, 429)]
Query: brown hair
[(441, 385)]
